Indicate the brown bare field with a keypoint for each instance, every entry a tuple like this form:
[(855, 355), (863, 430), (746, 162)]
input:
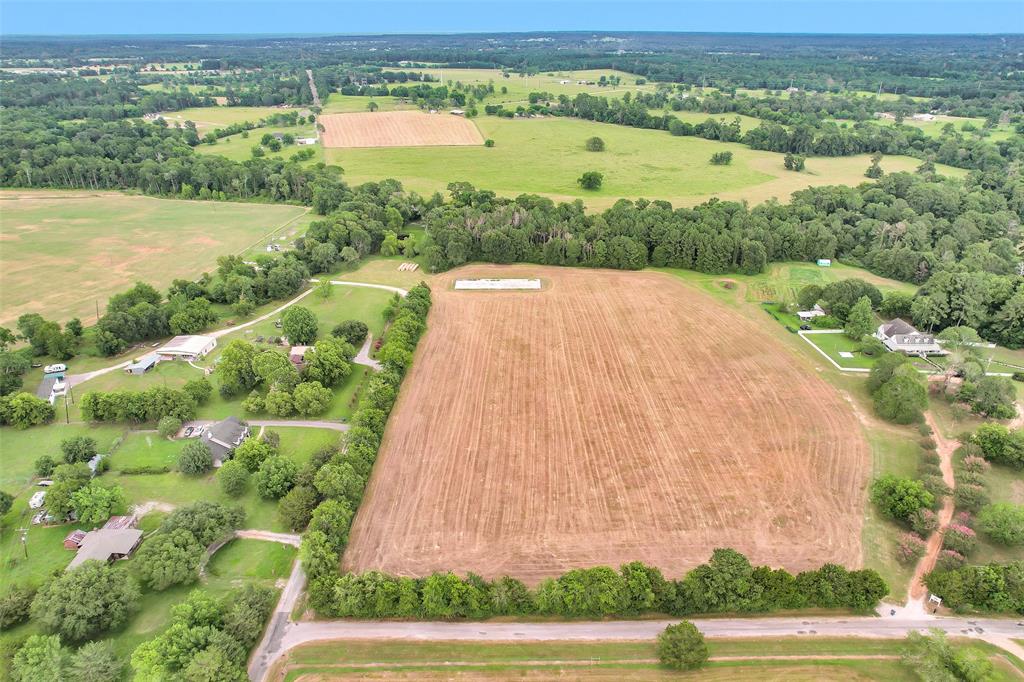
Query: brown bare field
[(611, 417), (398, 129)]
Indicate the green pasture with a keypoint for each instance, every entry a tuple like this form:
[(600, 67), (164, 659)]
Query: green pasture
[(99, 244), (208, 118), (547, 155), (239, 148), (600, 659)]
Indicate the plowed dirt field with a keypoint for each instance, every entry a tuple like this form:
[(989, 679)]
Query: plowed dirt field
[(611, 417), (397, 129)]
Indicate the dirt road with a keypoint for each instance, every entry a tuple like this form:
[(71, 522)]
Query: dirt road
[(946, 447)]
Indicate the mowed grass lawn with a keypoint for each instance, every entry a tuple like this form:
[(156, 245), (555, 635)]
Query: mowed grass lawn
[(210, 118), (599, 660), (64, 252), (547, 155)]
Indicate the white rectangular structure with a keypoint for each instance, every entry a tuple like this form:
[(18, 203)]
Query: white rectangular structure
[(188, 347), (496, 284)]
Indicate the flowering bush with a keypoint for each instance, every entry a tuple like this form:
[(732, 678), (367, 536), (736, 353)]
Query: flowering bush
[(976, 465), (924, 522), (910, 548), (949, 560), (960, 539)]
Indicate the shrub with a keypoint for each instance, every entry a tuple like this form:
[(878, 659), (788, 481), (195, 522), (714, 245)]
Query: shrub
[(1003, 522), (594, 144), (233, 478), (488, 142), (899, 498), (960, 539), (973, 464), (681, 647), (924, 522), (145, 470), (721, 158), (936, 485), (44, 466), (590, 180), (924, 429), (929, 444), (78, 449), (195, 458), (949, 560), (910, 548), (168, 426), (970, 497), (352, 331)]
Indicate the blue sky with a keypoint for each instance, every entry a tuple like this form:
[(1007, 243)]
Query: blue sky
[(105, 17)]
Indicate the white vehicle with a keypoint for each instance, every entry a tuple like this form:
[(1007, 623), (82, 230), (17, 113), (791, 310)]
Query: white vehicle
[(45, 483), (60, 367), (37, 500)]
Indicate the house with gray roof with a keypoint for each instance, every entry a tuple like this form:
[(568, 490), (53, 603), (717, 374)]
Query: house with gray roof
[(223, 437), (105, 544), (902, 337)]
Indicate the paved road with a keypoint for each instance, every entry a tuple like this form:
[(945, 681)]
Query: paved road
[(363, 356), (271, 647)]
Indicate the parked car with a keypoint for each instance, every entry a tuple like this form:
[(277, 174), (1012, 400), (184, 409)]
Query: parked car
[(188, 431), (805, 327), (45, 484), (59, 367)]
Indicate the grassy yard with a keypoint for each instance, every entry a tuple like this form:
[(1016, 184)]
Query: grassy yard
[(636, 163), (834, 344), (252, 560), (101, 243)]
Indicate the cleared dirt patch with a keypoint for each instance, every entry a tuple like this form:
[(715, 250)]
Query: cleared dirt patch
[(610, 417), (398, 129)]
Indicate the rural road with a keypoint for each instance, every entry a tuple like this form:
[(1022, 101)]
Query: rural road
[(289, 635), (312, 89), (270, 647), (302, 423), (945, 449), (269, 536)]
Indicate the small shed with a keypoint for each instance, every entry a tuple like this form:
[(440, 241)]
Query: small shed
[(824, 262), (458, 112), (143, 364), (74, 539)]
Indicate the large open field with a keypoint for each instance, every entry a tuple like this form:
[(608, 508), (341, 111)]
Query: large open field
[(547, 155), (398, 129), (65, 251), (610, 417)]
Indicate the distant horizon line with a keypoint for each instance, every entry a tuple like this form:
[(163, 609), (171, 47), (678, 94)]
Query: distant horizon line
[(372, 34)]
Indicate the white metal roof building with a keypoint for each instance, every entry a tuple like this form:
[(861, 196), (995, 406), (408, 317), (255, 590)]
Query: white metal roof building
[(188, 347)]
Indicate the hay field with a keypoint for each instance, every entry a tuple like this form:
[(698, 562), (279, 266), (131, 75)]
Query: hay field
[(613, 416), (545, 156), (398, 129), (62, 252)]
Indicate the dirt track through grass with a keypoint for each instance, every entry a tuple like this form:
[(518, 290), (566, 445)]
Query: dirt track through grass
[(611, 417)]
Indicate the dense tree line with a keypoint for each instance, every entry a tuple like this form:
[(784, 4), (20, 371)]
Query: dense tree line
[(727, 583), (956, 239), (337, 484)]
